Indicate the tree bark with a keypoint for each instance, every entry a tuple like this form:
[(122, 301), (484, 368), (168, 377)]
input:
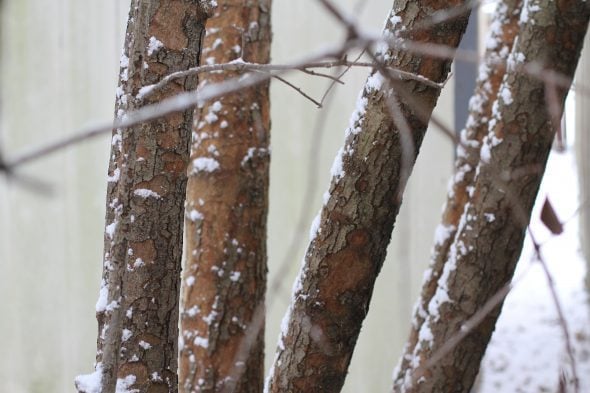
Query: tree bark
[(489, 237), (222, 318), (137, 310), (503, 30), (350, 236)]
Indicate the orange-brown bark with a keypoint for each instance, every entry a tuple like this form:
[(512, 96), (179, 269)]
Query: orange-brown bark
[(488, 241), (334, 287), (503, 31), (222, 320)]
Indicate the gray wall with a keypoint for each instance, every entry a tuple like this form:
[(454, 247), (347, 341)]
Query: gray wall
[(58, 67)]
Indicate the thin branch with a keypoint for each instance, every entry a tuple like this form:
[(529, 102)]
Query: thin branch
[(466, 328), (339, 77), (446, 15), (186, 100), (562, 321), (321, 74), (298, 90), (241, 66)]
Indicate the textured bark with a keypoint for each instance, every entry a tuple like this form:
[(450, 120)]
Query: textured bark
[(222, 320), (137, 310), (350, 236), (503, 30), (489, 237)]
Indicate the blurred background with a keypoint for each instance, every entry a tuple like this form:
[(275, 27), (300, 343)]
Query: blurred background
[(58, 72)]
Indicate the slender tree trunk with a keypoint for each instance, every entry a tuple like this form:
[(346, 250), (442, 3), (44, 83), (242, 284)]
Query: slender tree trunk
[(583, 156), (332, 293), (222, 321), (137, 310), (489, 237), (503, 30)]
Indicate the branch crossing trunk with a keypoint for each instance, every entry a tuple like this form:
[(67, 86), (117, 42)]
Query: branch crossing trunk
[(222, 317), (490, 234), (137, 309), (349, 237), (503, 30)]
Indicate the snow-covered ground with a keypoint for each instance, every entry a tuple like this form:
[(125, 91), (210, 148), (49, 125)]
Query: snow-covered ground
[(527, 352)]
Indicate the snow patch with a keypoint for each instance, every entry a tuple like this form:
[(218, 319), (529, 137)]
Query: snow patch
[(395, 19), (90, 383), (205, 164), (195, 215), (144, 91), (190, 281), (126, 335), (124, 384), (154, 45), (443, 233), (193, 311), (251, 153), (146, 193), (358, 115), (110, 230), (217, 43), (124, 68), (116, 176), (337, 170), (315, 227), (201, 342), (506, 95), (145, 345), (374, 82)]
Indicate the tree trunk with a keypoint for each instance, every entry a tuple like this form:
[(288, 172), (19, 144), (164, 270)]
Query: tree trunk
[(583, 156), (350, 236), (503, 30), (489, 237), (222, 318), (137, 310)]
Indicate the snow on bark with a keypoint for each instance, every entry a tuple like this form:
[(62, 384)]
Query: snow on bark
[(137, 308), (222, 316), (332, 292), (503, 30), (488, 241)]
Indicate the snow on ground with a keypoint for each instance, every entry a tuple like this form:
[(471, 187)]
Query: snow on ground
[(527, 351)]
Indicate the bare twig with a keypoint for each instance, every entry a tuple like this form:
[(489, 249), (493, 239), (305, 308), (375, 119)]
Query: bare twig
[(560, 314), (446, 15), (241, 66), (465, 329), (339, 77), (186, 100), (321, 74), (298, 90)]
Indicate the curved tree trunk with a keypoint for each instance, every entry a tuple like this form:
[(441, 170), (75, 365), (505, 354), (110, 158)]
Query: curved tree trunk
[(137, 309), (222, 318), (489, 237), (503, 31), (350, 236)]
